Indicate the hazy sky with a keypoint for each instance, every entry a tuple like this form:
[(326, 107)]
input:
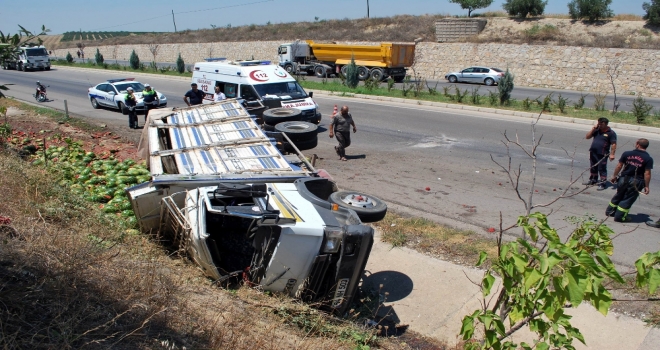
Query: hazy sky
[(72, 15)]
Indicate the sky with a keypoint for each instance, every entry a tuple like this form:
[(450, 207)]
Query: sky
[(145, 16)]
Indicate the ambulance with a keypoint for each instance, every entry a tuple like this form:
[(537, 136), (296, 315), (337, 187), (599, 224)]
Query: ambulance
[(255, 80)]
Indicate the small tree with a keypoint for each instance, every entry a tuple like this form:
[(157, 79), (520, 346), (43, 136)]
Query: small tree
[(134, 60), (352, 79), (153, 48), (505, 86), (69, 58), (652, 15), (472, 5), (592, 10), (523, 8), (98, 57), (180, 65)]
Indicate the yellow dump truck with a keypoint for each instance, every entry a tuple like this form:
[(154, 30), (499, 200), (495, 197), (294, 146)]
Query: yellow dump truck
[(325, 59)]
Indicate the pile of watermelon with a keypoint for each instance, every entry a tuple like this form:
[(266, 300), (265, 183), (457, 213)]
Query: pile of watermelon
[(97, 180)]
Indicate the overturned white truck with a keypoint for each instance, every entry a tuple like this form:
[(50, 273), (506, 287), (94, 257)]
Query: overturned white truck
[(223, 191)]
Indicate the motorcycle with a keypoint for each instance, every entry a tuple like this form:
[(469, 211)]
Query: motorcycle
[(40, 93)]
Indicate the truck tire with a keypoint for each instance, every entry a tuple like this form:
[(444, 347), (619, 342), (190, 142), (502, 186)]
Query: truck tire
[(363, 73), (47, 68), (377, 74), (20, 66), (343, 69), (267, 127), (298, 131), (288, 68), (319, 71), (275, 116), (303, 145), (367, 207)]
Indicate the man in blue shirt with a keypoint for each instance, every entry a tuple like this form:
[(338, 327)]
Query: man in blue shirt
[(193, 96), (635, 167), (602, 146)]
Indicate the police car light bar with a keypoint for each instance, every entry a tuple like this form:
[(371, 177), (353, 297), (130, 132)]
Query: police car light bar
[(253, 63), (215, 59), (121, 79)]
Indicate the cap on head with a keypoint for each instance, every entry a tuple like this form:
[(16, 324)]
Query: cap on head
[(129, 89), (147, 85)]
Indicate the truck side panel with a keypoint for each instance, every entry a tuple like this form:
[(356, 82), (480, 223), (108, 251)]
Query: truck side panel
[(370, 55)]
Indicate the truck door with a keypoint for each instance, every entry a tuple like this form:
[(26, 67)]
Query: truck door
[(283, 53)]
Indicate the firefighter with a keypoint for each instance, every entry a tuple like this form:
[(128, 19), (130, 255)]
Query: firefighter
[(635, 167)]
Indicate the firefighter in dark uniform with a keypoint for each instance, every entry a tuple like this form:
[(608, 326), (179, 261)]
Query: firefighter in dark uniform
[(130, 101), (150, 100), (603, 145), (635, 167)]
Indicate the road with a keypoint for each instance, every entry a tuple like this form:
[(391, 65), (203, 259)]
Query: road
[(519, 92), (401, 149)]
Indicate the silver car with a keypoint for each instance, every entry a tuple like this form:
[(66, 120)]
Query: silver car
[(488, 76)]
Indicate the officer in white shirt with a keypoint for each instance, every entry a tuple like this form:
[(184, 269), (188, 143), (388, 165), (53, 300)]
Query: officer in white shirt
[(218, 95)]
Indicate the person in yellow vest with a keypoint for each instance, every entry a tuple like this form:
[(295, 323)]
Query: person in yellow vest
[(150, 99)]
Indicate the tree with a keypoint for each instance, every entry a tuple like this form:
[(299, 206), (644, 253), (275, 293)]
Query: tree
[(153, 48), (505, 86), (98, 58), (69, 58), (472, 5), (180, 65), (134, 60), (9, 46), (592, 10), (523, 8), (652, 15), (352, 79)]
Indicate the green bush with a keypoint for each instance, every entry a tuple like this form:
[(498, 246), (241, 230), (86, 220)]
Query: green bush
[(352, 79), (69, 58), (504, 87), (98, 58), (180, 65), (592, 10), (524, 8), (134, 61), (641, 109), (652, 15)]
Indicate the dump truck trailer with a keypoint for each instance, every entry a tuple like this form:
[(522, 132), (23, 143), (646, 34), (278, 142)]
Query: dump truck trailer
[(324, 59), (223, 191)]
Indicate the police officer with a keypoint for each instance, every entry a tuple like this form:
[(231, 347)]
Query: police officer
[(150, 99), (635, 167), (130, 101)]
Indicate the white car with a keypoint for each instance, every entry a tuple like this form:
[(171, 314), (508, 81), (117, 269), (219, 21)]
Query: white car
[(113, 92)]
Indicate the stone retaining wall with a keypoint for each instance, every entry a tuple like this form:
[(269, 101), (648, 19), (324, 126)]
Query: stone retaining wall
[(554, 67)]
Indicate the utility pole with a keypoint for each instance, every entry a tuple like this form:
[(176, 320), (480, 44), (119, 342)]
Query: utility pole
[(367, 8), (173, 21)]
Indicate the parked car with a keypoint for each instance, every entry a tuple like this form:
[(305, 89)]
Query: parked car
[(488, 76), (112, 93)]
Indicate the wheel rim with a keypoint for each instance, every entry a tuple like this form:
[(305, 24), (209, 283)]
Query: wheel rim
[(452, 79), (489, 81), (358, 200), (289, 69), (94, 103)]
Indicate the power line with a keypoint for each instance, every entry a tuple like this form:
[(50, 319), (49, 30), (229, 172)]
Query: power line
[(181, 13)]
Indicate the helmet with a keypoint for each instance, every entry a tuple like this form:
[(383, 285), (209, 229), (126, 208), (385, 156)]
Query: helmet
[(129, 89), (38, 83)]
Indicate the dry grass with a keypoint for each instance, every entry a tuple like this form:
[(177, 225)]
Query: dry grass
[(426, 236)]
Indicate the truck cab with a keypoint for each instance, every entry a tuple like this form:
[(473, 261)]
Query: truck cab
[(29, 58)]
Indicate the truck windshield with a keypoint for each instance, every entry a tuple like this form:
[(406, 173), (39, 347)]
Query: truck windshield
[(287, 89), (36, 52)]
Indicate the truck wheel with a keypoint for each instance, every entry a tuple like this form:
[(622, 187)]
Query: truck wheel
[(275, 116), (288, 68), (303, 145), (298, 131), (363, 73), (343, 69), (377, 74), (368, 208), (20, 66), (47, 68), (319, 71)]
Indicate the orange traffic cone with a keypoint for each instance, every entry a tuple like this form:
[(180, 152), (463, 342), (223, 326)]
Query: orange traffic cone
[(334, 111)]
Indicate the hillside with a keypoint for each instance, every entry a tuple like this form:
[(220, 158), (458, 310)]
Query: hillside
[(624, 31)]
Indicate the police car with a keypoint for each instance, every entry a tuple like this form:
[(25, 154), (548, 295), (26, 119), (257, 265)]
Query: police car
[(112, 93)]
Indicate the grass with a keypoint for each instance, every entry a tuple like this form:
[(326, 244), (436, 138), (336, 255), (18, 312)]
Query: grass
[(74, 277), (431, 238)]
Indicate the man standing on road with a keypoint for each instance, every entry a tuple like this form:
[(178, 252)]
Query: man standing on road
[(150, 100), (603, 144), (193, 96), (130, 101), (635, 167), (341, 126)]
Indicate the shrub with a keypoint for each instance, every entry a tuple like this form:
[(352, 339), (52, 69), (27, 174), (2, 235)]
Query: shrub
[(371, 84), (641, 109), (134, 60), (580, 102), (460, 96), (562, 102), (352, 79), (652, 15), (505, 86), (475, 98), (98, 58), (523, 8), (180, 65), (69, 58), (599, 102), (546, 32), (390, 83), (527, 104), (592, 10), (493, 97)]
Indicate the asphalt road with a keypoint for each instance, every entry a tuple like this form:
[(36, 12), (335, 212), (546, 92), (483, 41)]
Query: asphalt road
[(401, 149), (519, 92)]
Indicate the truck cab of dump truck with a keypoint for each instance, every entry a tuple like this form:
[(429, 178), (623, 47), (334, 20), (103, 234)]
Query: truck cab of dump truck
[(29, 58), (255, 80)]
